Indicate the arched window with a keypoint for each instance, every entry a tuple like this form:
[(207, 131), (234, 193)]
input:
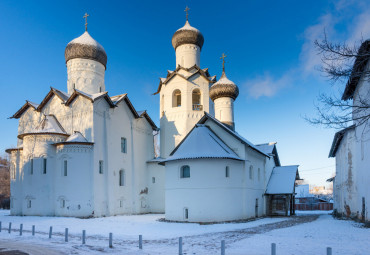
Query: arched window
[(196, 96), (176, 98), (251, 172), (185, 172), (121, 178)]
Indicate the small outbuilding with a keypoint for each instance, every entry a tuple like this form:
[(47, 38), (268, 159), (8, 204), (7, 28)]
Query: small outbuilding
[(280, 190)]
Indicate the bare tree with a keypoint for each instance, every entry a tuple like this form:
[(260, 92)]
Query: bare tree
[(343, 64)]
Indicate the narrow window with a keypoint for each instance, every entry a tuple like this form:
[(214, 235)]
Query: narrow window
[(196, 97), (120, 203), (123, 145), (251, 172), (259, 174), (227, 172), (29, 203), (186, 213), (44, 165), (100, 166), (153, 179), (65, 168), (31, 170), (62, 203), (176, 98), (121, 178), (185, 172)]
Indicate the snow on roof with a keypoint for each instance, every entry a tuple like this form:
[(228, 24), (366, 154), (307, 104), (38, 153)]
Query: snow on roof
[(77, 137), (201, 142), (49, 125), (266, 148), (61, 94), (282, 180), (188, 27), (86, 39), (140, 113), (224, 80), (234, 133), (34, 105)]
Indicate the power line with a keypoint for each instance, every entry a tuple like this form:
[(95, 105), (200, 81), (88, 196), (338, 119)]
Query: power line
[(313, 169)]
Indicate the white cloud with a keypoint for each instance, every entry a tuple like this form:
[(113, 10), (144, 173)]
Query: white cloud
[(357, 28)]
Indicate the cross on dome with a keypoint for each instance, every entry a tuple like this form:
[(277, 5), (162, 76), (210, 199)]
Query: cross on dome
[(85, 17), (187, 12), (223, 61)]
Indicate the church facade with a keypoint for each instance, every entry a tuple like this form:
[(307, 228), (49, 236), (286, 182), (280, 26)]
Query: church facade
[(84, 153)]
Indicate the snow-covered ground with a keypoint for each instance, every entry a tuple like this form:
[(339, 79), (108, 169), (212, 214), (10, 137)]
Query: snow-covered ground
[(255, 237)]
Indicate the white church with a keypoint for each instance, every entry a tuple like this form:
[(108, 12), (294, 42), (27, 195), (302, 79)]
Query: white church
[(85, 153)]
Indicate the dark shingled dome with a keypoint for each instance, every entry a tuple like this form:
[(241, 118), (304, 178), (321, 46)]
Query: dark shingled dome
[(223, 88), (86, 47), (187, 35)]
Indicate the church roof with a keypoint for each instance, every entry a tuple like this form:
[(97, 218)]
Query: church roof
[(232, 132), (223, 88), (48, 125), (86, 47), (201, 142), (187, 35), (76, 138), (282, 180), (270, 149), (359, 65), (68, 99), (337, 139), (170, 74)]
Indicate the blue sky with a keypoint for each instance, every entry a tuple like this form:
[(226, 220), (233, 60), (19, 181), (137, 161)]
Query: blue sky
[(269, 45)]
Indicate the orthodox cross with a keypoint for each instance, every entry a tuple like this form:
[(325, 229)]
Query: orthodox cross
[(223, 61), (85, 17), (187, 12)]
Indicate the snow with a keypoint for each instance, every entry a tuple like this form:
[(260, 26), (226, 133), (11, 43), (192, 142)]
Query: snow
[(224, 80), (62, 94), (76, 137), (49, 125), (188, 27), (34, 105), (201, 142), (117, 98), (344, 237), (86, 39), (282, 180), (266, 148)]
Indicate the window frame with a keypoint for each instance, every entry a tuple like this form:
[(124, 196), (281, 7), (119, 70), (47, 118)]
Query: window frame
[(121, 176), (123, 145), (31, 166), (101, 166), (182, 172), (176, 98)]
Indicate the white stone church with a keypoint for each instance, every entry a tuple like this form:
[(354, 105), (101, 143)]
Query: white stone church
[(84, 153)]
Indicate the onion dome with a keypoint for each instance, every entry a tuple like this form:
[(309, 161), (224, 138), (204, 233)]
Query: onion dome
[(187, 35), (86, 47), (223, 88)]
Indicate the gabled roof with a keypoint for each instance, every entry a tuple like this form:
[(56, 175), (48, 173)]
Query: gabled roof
[(282, 180), (48, 125), (337, 139), (270, 149), (24, 108), (233, 133), (201, 142), (171, 74), (68, 99), (91, 97), (357, 70)]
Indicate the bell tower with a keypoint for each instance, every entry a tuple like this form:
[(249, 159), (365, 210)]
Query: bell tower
[(184, 93)]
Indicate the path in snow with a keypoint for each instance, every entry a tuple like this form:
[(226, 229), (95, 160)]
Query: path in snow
[(16, 247)]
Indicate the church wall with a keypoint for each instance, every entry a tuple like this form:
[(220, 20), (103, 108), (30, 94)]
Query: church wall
[(73, 195), (156, 187), (345, 188), (27, 122), (256, 187), (16, 178), (208, 194)]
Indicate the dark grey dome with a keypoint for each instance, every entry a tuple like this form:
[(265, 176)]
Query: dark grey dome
[(223, 88), (86, 47), (187, 35)]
